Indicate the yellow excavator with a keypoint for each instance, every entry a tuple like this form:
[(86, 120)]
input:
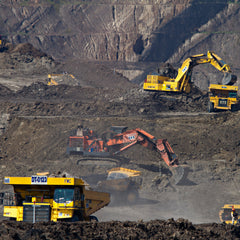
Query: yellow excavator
[(220, 96), (182, 83)]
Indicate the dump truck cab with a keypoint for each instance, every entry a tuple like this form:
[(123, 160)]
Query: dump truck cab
[(42, 198), (222, 97)]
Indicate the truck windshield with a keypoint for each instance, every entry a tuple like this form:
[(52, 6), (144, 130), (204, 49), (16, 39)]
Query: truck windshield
[(233, 94), (62, 195), (116, 175)]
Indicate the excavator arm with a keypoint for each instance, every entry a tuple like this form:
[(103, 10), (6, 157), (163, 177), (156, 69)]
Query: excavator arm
[(182, 83), (138, 136), (185, 72), (220, 65)]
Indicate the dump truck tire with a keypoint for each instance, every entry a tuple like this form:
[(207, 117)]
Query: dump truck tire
[(93, 219), (210, 107), (75, 218), (132, 197), (234, 107)]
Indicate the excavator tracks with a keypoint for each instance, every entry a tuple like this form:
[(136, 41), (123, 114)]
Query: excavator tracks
[(100, 161)]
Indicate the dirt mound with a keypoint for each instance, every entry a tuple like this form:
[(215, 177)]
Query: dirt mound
[(156, 229), (196, 101), (97, 101), (5, 91), (24, 49)]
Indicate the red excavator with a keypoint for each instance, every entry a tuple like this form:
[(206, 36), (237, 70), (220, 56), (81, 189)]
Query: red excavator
[(85, 143)]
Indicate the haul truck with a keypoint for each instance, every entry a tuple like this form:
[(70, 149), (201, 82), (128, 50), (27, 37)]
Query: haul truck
[(123, 184), (225, 212), (41, 198), (223, 97)]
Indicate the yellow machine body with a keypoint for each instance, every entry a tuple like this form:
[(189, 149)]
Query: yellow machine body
[(160, 83), (182, 82), (43, 198), (225, 213), (222, 97), (166, 84), (123, 184), (129, 172), (55, 79)]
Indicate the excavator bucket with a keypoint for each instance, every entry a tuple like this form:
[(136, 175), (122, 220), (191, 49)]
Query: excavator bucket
[(178, 174), (229, 79)]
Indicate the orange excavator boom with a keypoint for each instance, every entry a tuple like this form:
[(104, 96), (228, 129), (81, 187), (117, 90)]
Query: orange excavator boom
[(129, 138)]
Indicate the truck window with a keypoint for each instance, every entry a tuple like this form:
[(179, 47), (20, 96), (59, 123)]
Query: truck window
[(62, 195), (77, 194), (233, 94), (116, 175)]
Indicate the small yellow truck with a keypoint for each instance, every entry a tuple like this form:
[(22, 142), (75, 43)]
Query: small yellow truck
[(123, 184), (225, 213), (41, 198), (222, 97)]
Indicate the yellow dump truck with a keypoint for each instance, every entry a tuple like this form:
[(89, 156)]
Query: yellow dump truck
[(223, 97), (123, 184), (41, 198), (225, 213)]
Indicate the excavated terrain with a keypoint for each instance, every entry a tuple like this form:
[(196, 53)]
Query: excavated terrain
[(105, 44), (36, 121), (155, 229)]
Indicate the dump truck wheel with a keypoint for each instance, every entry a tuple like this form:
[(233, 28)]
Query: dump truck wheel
[(75, 218), (132, 197), (234, 107), (93, 219), (210, 107)]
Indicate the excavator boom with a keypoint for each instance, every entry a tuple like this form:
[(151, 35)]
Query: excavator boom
[(182, 82), (120, 140), (162, 146)]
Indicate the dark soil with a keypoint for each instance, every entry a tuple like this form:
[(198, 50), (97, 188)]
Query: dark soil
[(155, 229), (36, 121)]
